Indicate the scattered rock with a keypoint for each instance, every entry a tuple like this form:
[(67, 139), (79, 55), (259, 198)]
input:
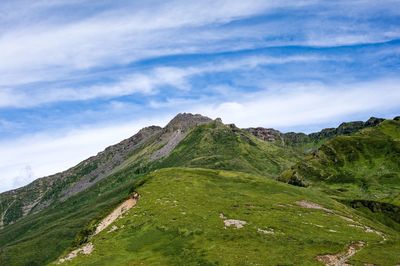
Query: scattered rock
[(267, 231), (231, 222), (236, 223), (113, 228)]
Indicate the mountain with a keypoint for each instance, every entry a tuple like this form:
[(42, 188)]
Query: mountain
[(196, 189)]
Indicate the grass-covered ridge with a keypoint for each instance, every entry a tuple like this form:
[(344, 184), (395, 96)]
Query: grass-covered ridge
[(179, 220), (219, 146), (365, 165)]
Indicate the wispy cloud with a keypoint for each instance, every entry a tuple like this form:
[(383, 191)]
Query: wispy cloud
[(53, 48), (145, 82), (294, 105)]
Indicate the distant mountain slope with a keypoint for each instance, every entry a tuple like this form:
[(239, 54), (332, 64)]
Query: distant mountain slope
[(365, 164), (362, 168)]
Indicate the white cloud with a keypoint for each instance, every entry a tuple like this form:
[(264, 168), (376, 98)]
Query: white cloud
[(294, 105)]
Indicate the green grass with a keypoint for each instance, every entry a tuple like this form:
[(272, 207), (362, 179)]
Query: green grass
[(364, 165), (217, 146), (177, 222)]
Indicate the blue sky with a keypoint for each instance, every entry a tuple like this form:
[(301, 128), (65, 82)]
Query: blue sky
[(77, 76)]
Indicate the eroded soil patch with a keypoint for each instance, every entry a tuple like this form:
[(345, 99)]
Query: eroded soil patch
[(340, 259)]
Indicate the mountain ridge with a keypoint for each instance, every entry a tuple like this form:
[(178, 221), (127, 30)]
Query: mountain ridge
[(88, 172), (221, 159)]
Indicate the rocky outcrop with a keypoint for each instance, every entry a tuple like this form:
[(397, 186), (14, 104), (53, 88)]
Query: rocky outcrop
[(186, 121), (296, 139), (346, 128), (175, 131), (266, 134)]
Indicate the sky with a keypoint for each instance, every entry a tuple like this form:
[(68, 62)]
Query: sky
[(78, 76)]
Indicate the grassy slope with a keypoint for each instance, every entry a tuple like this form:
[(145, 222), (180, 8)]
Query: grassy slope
[(177, 222), (218, 146)]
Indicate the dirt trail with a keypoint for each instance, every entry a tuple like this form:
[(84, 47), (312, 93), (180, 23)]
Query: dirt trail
[(352, 223), (340, 259), (112, 217), (117, 213)]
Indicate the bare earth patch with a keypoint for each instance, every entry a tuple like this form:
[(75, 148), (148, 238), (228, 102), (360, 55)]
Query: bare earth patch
[(86, 249), (340, 259), (312, 205), (117, 213)]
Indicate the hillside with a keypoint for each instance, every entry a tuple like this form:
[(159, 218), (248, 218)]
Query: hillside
[(217, 174), (207, 217)]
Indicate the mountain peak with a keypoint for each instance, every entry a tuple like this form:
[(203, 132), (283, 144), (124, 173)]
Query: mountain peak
[(185, 121)]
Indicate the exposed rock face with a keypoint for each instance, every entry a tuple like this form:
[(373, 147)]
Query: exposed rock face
[(294, 139), (373, 121), (176, 131), (267, 134), (186, 121)]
